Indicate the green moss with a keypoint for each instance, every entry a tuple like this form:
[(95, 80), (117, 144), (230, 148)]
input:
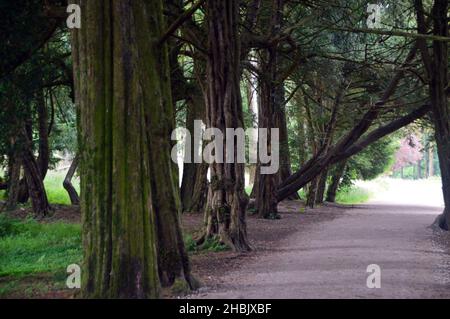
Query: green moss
[(180, 287), (210, 245)]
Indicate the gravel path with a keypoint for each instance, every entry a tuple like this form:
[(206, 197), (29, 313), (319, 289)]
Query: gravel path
[(329, 259)]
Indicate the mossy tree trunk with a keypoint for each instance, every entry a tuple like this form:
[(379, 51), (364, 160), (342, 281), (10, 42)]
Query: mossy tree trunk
[(227, 201), (436, 65), (34, 181), (129, 192), (14, 165), (43, 129), (272, 100), (337, 175)]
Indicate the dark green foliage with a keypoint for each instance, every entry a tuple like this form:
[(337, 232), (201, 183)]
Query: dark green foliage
[(370, 163)]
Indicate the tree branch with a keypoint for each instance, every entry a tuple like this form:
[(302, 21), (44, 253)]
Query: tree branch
[(179, 22)]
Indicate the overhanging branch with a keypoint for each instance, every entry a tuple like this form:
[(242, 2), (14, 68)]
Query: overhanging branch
[(179, 22)]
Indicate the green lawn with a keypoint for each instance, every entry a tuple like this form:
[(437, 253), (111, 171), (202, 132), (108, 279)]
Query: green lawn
[(354, 195), (34, 256), (54, 186), (28, 247), (55, 190)]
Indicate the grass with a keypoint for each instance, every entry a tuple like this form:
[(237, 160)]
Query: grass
[(34, 256), (354, 195), (28, 247), (55, 190), (54, 187)]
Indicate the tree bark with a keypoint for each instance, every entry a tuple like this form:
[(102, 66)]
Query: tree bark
[(36, 189), (436, 66), (321, 187), (194, 182), (24, 195), (312, 193), (129, 192), (13, 182), (227, 202), (281, 122), (200, 191), (43, 129), (338, 173), (271, 103)]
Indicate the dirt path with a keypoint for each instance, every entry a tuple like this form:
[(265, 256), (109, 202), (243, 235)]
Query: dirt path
[(329, 258)]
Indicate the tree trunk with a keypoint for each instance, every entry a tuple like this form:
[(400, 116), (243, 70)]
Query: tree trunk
[(430, 161), (67, 184), (437, 70), (200, 191), (24, 195), (44, 148), (281, 122), (321, 187), (266, 203), (312, 193), (419, 170), (227, 201), (270, 116), (255, 189), (194, 182), (338, 173), (13, 182), (36, 189), (129, 195)]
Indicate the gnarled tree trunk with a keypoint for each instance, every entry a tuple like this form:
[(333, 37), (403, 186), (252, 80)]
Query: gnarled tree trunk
[(227, 202), (36, 189)]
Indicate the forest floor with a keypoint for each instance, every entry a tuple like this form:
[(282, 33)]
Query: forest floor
[(308, 253)]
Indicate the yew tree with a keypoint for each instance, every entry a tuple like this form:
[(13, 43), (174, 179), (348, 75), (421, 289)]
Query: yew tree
[(129, 196), (227, 200), (435, 62)]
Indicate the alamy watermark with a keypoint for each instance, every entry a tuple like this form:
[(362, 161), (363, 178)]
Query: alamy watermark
[(228, 146), (74, 19), (374, 279), (74, 279), (375, 11)]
